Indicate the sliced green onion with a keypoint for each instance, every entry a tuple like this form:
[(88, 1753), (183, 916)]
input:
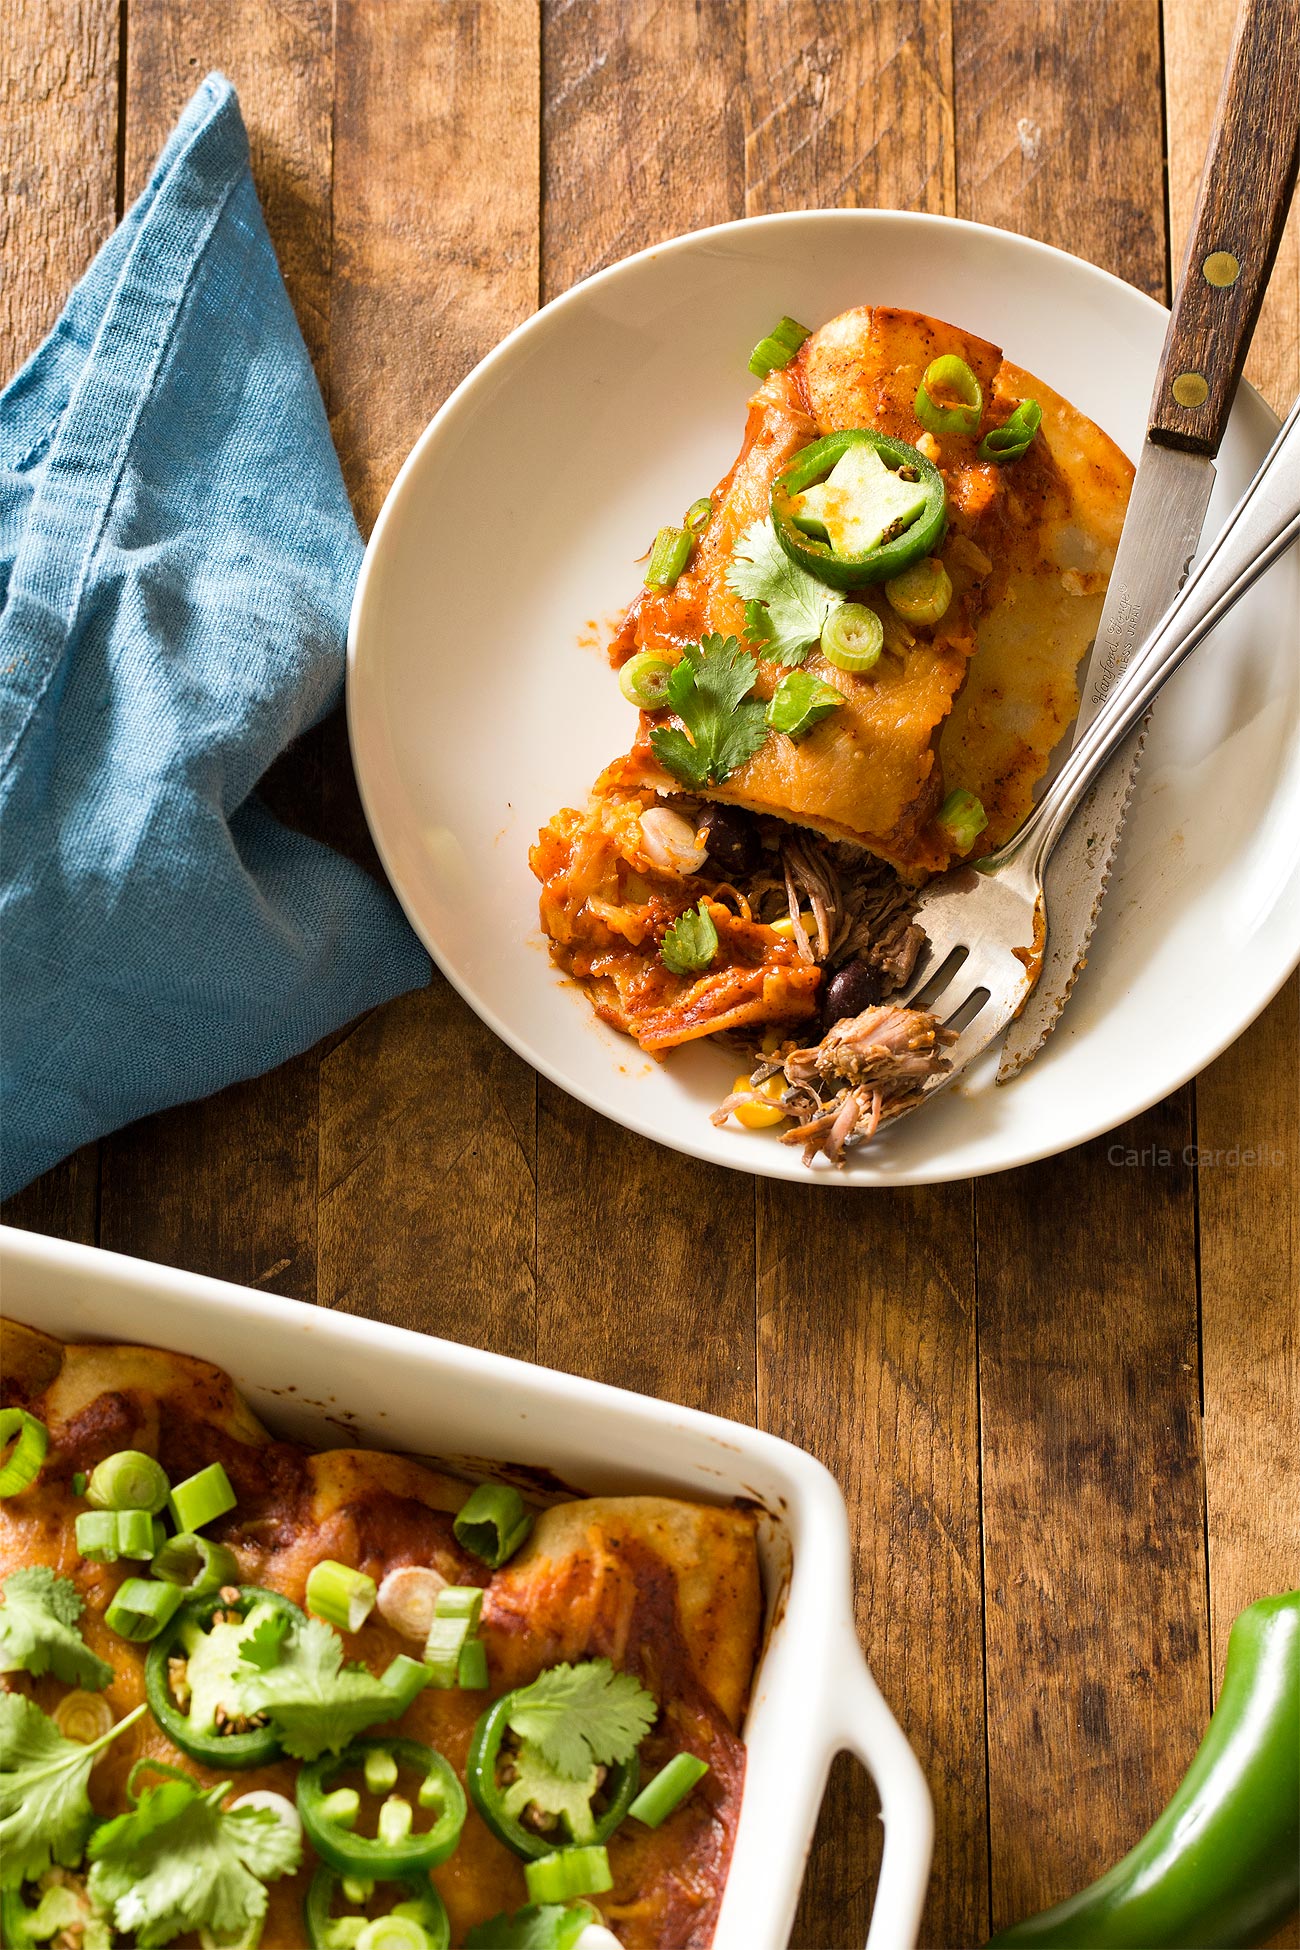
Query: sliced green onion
[(963, 819), (395, 1818), (668, 1789), (569, 1872), (196, 1564), (492, 1523), (393, 1932), (86, 1717), (852, 638), (447, 1637), (380, 1770), (159, 1534), (340, 1595), (96, 1534), (800, 701), (30, 1440), (668, 557), (460, 1601), (202, 1498), (141, 1607), (130, 1480), (922, 593), (1011, 440), (341, 1808), (643, 680), (774, 353), (79, 1481), (106, 1535), (699, 515), (952, 376), (472, 1668)]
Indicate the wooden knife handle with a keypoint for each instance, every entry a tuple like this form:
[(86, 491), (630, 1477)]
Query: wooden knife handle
[(1245, 192)]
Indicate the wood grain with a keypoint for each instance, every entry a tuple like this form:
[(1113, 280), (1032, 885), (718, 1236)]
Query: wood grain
[(675, 1319), (849, 107), (1096, 1653), (427, 1207), (1196, 42), (1096, 1646), (58, 158), (1242, 204), (1058, 127)]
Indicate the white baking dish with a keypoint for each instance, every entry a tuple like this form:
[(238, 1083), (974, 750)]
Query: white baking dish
[(324, 1377)]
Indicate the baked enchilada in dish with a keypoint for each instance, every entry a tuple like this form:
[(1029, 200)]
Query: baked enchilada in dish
[(255, 1694), (852, 662)]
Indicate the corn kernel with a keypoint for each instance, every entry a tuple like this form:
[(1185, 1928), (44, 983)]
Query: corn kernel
[(764, 1106), (785, 926)]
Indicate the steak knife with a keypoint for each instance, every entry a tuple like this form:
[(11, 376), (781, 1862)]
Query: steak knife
[(1241, 207)]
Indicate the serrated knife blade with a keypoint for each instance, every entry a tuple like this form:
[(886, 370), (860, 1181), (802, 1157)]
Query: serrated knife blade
[(1166, 512)]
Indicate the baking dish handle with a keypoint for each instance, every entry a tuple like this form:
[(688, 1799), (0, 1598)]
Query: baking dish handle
[(869, 1731)]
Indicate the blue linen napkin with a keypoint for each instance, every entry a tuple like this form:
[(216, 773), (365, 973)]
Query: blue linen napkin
[(177, 559)]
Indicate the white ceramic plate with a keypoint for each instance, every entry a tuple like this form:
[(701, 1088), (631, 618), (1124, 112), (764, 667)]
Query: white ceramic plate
[(480, 700)]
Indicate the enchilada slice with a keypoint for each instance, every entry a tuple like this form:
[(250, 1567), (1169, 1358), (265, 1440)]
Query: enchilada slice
[(665, 1591), (789, 835)]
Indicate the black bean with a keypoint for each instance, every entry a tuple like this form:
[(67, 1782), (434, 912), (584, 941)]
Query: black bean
[(851, 989), (729, 835)]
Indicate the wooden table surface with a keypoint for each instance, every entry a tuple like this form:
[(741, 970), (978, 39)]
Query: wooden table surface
[(1064, 1403)]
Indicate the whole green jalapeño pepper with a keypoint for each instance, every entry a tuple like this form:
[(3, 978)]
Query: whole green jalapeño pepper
[(893, 552), (179, 1640), (415, 1898), (488, 1793), (399, 1850), (1221, 1867)]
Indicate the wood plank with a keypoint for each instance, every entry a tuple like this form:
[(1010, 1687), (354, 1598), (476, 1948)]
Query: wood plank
[(58, 202), (849, 107), (1096, 1642), (622, 171), (58, 150), (1246, 1103), (228, 1186), (866, 1300), (427, 1123)]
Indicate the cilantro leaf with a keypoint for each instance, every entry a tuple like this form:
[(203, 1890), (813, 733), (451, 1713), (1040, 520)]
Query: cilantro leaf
[(39, 1631), (44, 1807), (786, 608), (179, 1861), (260, 1647), (691, 942), (540, 1926), (708, 689), (314, 1700), (539, 1785), (577, 1715)]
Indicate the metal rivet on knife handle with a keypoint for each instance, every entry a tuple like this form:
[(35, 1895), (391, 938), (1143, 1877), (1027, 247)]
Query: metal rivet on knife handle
[(1221, 269), (1190, 389)]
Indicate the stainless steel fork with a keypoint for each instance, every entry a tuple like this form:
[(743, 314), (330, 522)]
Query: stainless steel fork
[(987, 923)]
